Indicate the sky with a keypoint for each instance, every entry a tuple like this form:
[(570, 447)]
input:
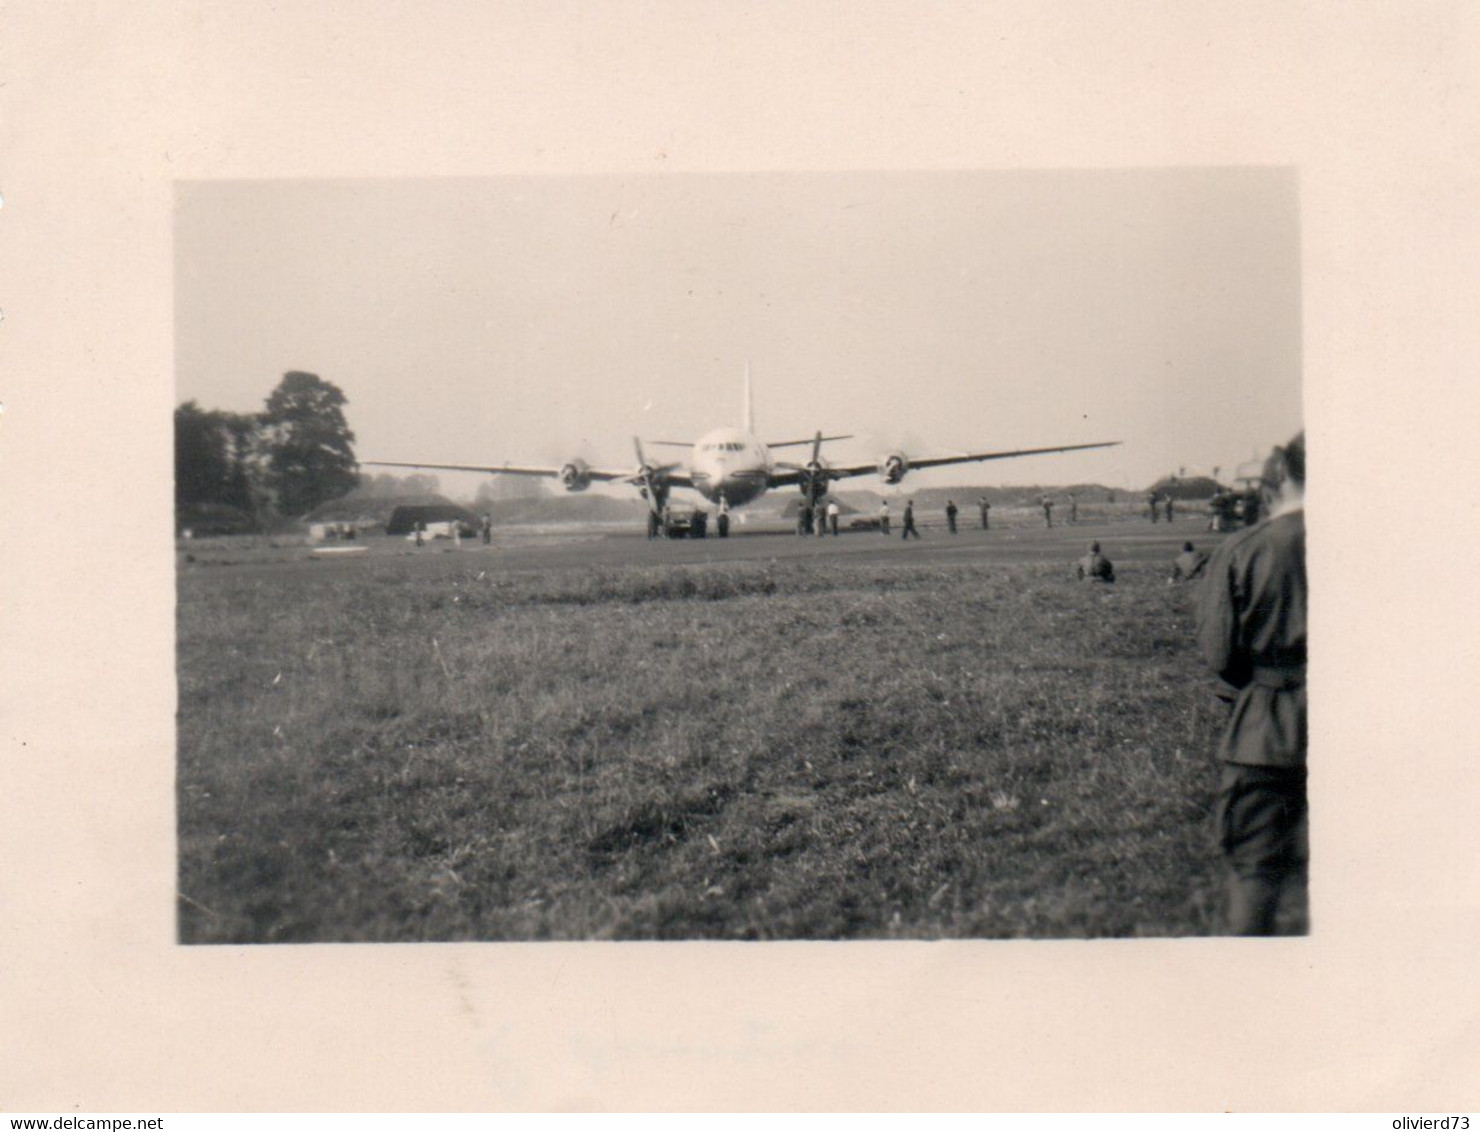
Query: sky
[(533, 319)]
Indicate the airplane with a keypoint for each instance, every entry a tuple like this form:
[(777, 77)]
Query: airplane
[(732, 466)]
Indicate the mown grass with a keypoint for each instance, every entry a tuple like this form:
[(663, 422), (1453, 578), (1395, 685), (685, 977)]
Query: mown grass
[(755, 751)]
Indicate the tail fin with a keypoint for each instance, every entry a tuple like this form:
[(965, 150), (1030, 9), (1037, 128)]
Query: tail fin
[(749, 404)]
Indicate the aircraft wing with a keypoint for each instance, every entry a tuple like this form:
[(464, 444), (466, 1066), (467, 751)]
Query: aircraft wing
[(551, 471), (789, 475), (671, 474), (819, 439), (916, 462)]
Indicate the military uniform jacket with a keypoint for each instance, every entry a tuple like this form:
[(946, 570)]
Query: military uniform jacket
[(1251, 625)]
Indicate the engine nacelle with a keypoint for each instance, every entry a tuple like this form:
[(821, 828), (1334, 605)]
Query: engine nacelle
[(575, 476), (893, 468), (814, 480)]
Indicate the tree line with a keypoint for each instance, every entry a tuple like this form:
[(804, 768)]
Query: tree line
[(282, 462)]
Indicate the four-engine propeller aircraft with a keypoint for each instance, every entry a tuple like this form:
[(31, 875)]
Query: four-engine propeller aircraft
[(733, 467)]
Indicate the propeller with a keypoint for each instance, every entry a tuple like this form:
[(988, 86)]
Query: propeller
[(653, 490), (816, 473)]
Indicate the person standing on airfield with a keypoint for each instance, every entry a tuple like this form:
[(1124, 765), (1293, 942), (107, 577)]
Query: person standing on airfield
[(819, 519), (1073, 509), (1151, 505), (804, 520), (833, 511), (1167, 501), (1047, 511), (723, 522), (487, 526), (909, 521), (951, 515), (984, 507), (1251, 630), (884, 517)]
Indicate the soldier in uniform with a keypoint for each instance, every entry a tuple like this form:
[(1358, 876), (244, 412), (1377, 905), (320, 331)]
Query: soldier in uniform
[(1151, 502), (1188, 565), (804, 518), (1168, 504), (985, 508), (1251, 630), (819, 519), (951, 515), (909, 522), (1073, 509), (1094, 566), (1047, 511), (884, 518)]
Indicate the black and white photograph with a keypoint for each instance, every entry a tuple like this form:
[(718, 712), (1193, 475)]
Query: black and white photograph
[(732, 556), (754, 557)]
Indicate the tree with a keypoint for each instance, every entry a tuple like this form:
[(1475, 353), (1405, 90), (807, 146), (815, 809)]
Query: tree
[(213, 458), (200, 460), (309, 448)]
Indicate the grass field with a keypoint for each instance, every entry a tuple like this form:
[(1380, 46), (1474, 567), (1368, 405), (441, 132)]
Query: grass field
[(791, 749)]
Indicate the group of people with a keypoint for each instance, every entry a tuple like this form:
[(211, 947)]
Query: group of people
[(908, 527), (1226, 508), (1188, 566), (1160, 506), (1046, 502), (818, 518), (1251, 631)]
